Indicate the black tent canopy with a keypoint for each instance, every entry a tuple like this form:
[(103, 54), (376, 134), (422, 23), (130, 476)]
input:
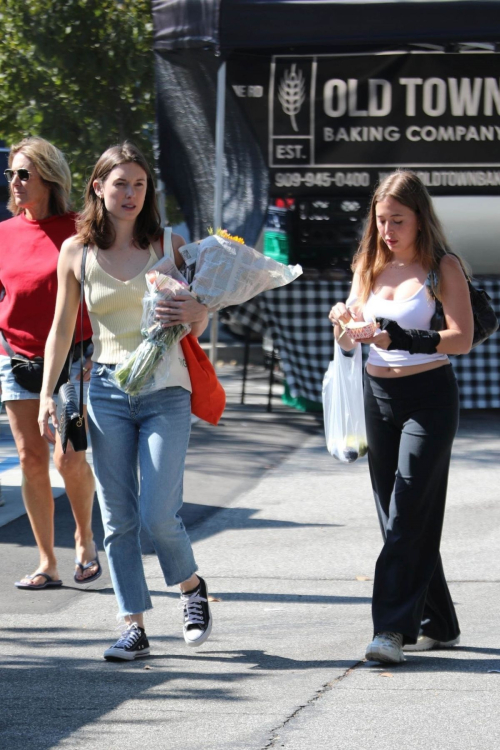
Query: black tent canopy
[(230, 25)]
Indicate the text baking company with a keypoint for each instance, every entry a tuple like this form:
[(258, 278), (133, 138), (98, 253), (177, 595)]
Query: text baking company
[(415, 97)]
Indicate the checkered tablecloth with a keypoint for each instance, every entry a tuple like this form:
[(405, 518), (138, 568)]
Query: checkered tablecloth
[(296, 318)]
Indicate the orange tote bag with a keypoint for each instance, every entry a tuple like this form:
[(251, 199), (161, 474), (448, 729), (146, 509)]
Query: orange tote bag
[(208, 397)]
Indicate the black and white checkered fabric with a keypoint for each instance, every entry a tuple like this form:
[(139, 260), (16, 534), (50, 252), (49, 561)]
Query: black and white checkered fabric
[(296, 318), (478, 373)]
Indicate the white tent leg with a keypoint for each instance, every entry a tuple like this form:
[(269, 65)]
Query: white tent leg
[(160, 200), (219, 167)]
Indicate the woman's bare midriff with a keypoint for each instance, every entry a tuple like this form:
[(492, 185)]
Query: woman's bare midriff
[(401, 372)]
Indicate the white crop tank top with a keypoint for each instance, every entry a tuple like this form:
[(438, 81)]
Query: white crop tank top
[(414, 312)]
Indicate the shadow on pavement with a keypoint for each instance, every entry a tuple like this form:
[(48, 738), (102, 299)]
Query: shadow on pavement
[(222, 463), (48, 698), (431, 662), (256, 597), (20, 555)]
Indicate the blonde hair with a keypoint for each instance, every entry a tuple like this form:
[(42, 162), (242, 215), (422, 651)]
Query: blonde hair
[(52, 168), (373, 254)]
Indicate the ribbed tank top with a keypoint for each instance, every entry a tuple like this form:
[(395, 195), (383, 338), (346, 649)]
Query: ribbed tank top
[(413, 312), (115, 310)]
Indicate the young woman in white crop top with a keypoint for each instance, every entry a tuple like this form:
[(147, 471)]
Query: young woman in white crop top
[(411, 408), (139, 443)]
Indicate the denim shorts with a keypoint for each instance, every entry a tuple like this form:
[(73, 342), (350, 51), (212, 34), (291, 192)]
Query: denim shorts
[(12, 391)]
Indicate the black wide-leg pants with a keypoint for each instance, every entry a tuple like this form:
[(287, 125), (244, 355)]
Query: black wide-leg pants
[(411, 423)]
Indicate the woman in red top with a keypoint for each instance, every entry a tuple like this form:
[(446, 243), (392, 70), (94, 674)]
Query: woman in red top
[(40, 182)]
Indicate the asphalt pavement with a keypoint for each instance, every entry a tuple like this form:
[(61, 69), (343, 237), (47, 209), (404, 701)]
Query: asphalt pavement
[(287, 539)]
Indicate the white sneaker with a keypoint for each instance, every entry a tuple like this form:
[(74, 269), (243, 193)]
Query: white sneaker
[(386, 647), (425, 643)]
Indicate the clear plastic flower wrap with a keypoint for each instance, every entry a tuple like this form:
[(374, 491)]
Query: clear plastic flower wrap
[(228, 272), (148, 367)]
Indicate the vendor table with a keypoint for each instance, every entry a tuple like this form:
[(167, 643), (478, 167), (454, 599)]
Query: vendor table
[(296, 318)]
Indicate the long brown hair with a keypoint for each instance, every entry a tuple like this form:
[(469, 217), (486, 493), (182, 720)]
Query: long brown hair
[(52, 168), (373, 254), (94, 225)]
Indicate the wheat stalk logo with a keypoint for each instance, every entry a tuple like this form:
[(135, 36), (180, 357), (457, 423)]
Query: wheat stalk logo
[(291, 93)]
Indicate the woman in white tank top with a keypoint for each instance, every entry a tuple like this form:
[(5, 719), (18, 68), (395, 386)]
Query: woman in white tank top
[(411, 407), (139, 443)]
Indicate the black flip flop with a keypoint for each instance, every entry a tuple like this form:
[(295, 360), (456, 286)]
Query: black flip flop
[(88, 565), (49, 582)]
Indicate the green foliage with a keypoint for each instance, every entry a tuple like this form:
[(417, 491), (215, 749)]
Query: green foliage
[(79, 73)]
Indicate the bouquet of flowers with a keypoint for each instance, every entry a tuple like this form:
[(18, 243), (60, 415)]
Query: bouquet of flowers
[(140, 372), (227, 272)]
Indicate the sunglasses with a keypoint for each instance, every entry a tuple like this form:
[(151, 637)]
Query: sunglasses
[(23, 174)]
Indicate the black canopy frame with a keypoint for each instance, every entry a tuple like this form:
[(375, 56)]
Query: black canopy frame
[(321, 25)]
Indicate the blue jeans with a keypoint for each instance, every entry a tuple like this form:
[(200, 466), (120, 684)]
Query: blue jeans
[(139, 446)]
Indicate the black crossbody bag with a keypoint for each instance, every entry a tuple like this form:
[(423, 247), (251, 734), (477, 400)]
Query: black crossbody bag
[(28, 372), (69, 411)]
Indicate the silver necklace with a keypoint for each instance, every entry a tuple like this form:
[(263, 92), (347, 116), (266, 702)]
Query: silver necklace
[(395, 264)]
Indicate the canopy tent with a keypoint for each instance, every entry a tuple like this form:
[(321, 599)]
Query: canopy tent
[(193, 37), (222, 178), (230, 25)]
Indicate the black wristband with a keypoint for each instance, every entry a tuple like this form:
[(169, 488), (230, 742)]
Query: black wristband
[(399, 337), (424, 342), (410, 340)]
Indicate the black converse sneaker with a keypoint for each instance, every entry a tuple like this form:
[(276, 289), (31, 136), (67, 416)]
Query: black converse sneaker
[(197, 616), (130, 645)]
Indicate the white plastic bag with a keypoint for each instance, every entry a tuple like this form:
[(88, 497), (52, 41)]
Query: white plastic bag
[(343, 407)]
